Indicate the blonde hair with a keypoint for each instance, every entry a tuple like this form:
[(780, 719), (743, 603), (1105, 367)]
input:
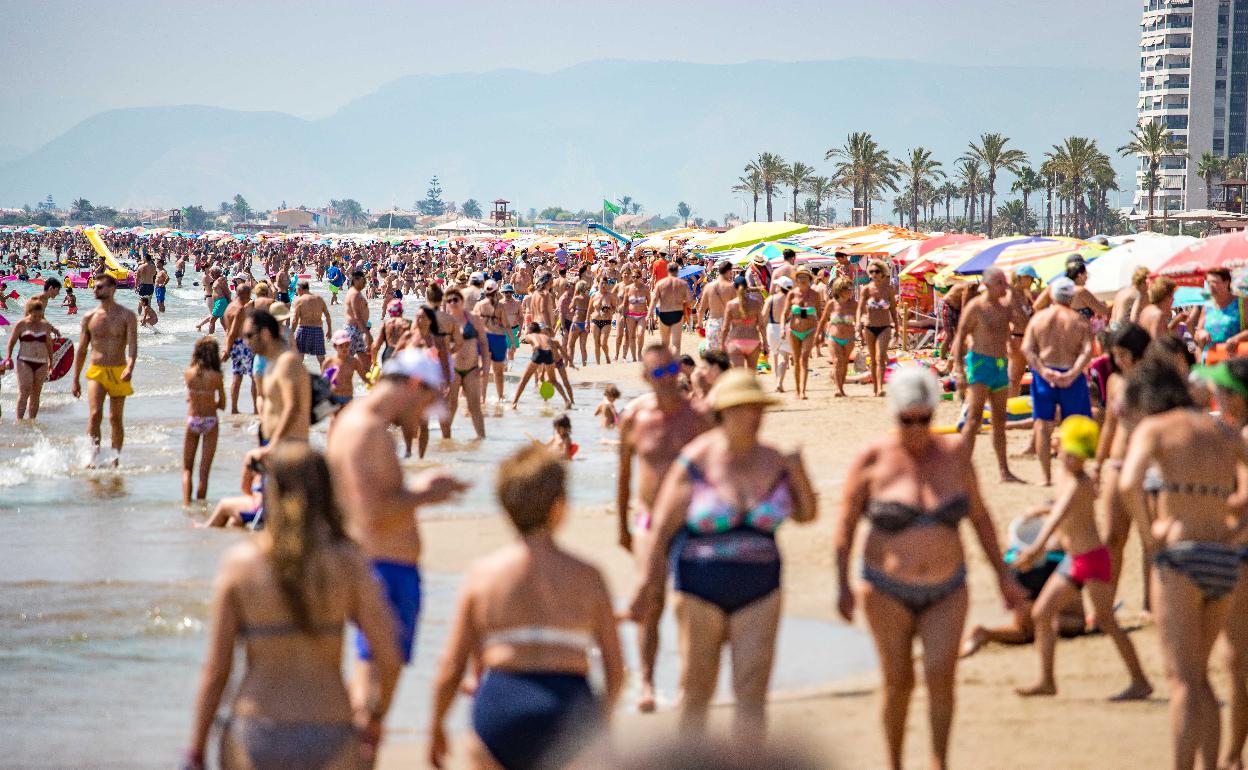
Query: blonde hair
[(1139, 277), (1162, 287)]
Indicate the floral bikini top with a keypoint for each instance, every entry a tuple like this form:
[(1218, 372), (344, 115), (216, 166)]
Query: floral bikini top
[(709, 513)]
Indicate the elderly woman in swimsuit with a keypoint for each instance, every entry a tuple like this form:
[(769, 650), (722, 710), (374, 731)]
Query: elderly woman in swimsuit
[(205, 396), (717, 513), (285, 596), (32, 336), (839, 322), (877, 317), (915, 488), (467, 362), (743, 335), (528, 637), (804, 310), (1198, 550)]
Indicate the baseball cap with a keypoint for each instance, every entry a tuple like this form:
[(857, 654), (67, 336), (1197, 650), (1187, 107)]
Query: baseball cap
[(1028, 271), (784, 282), (491, 286), (341, 337), (1062, 290), (508, 288), (417, 365), (478, 277), (1222, 376)]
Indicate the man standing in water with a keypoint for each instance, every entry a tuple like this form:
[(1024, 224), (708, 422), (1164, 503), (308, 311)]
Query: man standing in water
[(357, 321), (241, 356), (112, 334), (1058, 346), (671, 295), (145, 278), (286, 403), (983, 365), (380, 509), (306, 314), (653, 428)]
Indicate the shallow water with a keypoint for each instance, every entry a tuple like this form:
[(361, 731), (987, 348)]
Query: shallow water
[(104, 582)]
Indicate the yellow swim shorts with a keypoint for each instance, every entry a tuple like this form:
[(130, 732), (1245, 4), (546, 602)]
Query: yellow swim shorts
[(110, 378)]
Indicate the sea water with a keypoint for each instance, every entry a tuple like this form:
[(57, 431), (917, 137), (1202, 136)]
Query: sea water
[(105, 583)]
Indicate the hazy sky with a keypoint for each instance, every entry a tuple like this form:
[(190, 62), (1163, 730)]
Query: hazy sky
[(61, 60)]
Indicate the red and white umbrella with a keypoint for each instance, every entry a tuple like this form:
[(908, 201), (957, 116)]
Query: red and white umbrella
[(1188, 267)]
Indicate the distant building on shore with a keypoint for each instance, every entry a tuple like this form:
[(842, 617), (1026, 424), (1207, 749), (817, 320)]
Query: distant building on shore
[(1194, 79), (299, 219)]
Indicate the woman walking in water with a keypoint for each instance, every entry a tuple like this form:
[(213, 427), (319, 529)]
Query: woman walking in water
[(601, 311), (285, 596), (877, 317), (915, 488), (528, 637), (467, 362), (205, 396), (32, 336)]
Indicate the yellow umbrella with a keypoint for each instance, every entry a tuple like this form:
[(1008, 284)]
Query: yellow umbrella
[(754, 232)]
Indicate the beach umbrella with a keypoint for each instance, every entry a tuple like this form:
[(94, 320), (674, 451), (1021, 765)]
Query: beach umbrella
[(1114, 268), (923, 248), (1188, 267), (1015, 252), (944, 258), (754, 232)]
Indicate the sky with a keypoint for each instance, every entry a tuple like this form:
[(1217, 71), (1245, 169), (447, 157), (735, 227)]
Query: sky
[(64, 60)]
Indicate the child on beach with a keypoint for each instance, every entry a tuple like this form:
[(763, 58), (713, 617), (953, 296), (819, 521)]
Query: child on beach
[(147, 316), (205, 395), (70, 302), (561, 443), (541, 364), (606, 410), (340, 370), (241, 510), (1086, 566)]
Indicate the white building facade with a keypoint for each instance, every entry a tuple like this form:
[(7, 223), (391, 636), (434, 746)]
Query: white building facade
[(1194, 79)]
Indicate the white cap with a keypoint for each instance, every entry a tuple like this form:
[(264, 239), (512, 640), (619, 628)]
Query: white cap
[(1062, 290), (417, 365), (784, 282)]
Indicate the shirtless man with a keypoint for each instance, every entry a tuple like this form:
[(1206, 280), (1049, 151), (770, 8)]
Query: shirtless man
[(788, 267), (179, 269), (357, 319), (653, 428), (145, 278), (514, 315), (522, 281), (671, 296), (715, 296), (983, 363), (112, 334), (162, 285), (286, 401), (241, 357), (542, 302), (1158, 317), (306, 316), (490, 310), (281, 287), (217, 294), (380, 510), (1058, 346)]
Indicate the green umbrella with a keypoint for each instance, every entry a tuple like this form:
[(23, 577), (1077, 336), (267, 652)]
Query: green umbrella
[(754, 232)]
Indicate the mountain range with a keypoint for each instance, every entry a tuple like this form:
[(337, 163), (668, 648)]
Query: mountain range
[(658, 131)]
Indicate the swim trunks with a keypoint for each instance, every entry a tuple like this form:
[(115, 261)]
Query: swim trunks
[(671, 317), (310, 340), (1073, 399), (160, 295), (714, 333), (992, 373), (109, 377), (401, 585), (1087, 567), (241, 358), (513, 338), (282, 296), (218, 307), (146, 289), (359, 343), (498, 347)]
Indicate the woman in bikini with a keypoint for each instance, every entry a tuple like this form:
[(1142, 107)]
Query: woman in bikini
[(32, 336), (842, 312), (466, 362), (285, 596), (743, 335), (915, 488), (717, 513), (205, 396), (877, 317), (777, 335), (636, 301), (526, 638), (602, 310), (1195, 534), (579, 331), (803, 311)]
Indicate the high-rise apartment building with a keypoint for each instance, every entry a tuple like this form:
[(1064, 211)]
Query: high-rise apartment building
[(1194, 79)]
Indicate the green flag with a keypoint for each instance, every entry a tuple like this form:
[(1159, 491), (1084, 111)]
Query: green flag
[(609, 206)]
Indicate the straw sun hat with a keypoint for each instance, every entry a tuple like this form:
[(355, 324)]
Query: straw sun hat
[(738, 387)]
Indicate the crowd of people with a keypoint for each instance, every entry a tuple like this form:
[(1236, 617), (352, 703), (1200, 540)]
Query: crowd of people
[(1115, 397)]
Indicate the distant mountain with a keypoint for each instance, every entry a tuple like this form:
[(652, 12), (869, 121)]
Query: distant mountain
[(658, 131), (10, 152)]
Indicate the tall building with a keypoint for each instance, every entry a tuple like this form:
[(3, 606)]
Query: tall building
[(1194, 79)]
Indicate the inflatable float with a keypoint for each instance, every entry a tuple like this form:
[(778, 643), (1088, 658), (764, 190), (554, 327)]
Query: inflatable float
[(1017, 410), (119, 273)]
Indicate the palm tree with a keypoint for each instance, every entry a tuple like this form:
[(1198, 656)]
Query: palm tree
[(901, 207), (625, 202), (635, 207), (796, 176), (1016, 217), (1210, 167), (866, 168), (1153, 141), (773, 170), (969, 175), (751, 183), (1076, 160), (1028, 182), (919, 169), (471, 208), (848, 171), (994, 156), (948, 191), (80, 209), (683, 210), (821, 187)]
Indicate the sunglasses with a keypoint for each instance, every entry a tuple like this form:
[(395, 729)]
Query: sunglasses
[(875, 272), (663, 372), (915, 419), (453, 301)]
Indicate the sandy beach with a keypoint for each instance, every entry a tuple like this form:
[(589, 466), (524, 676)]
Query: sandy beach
[(838, 723)]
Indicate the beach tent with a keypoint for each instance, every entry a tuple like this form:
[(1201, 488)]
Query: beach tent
[(1188, 267), (752, 233), (1113, 270)]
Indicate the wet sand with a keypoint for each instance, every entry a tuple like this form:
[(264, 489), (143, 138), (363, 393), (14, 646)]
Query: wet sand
[(839, 723)]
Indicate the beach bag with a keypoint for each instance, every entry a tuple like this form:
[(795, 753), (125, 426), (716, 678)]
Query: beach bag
[(321, 405)]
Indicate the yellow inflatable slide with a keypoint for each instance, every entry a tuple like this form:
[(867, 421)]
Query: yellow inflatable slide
[(114, 267)]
